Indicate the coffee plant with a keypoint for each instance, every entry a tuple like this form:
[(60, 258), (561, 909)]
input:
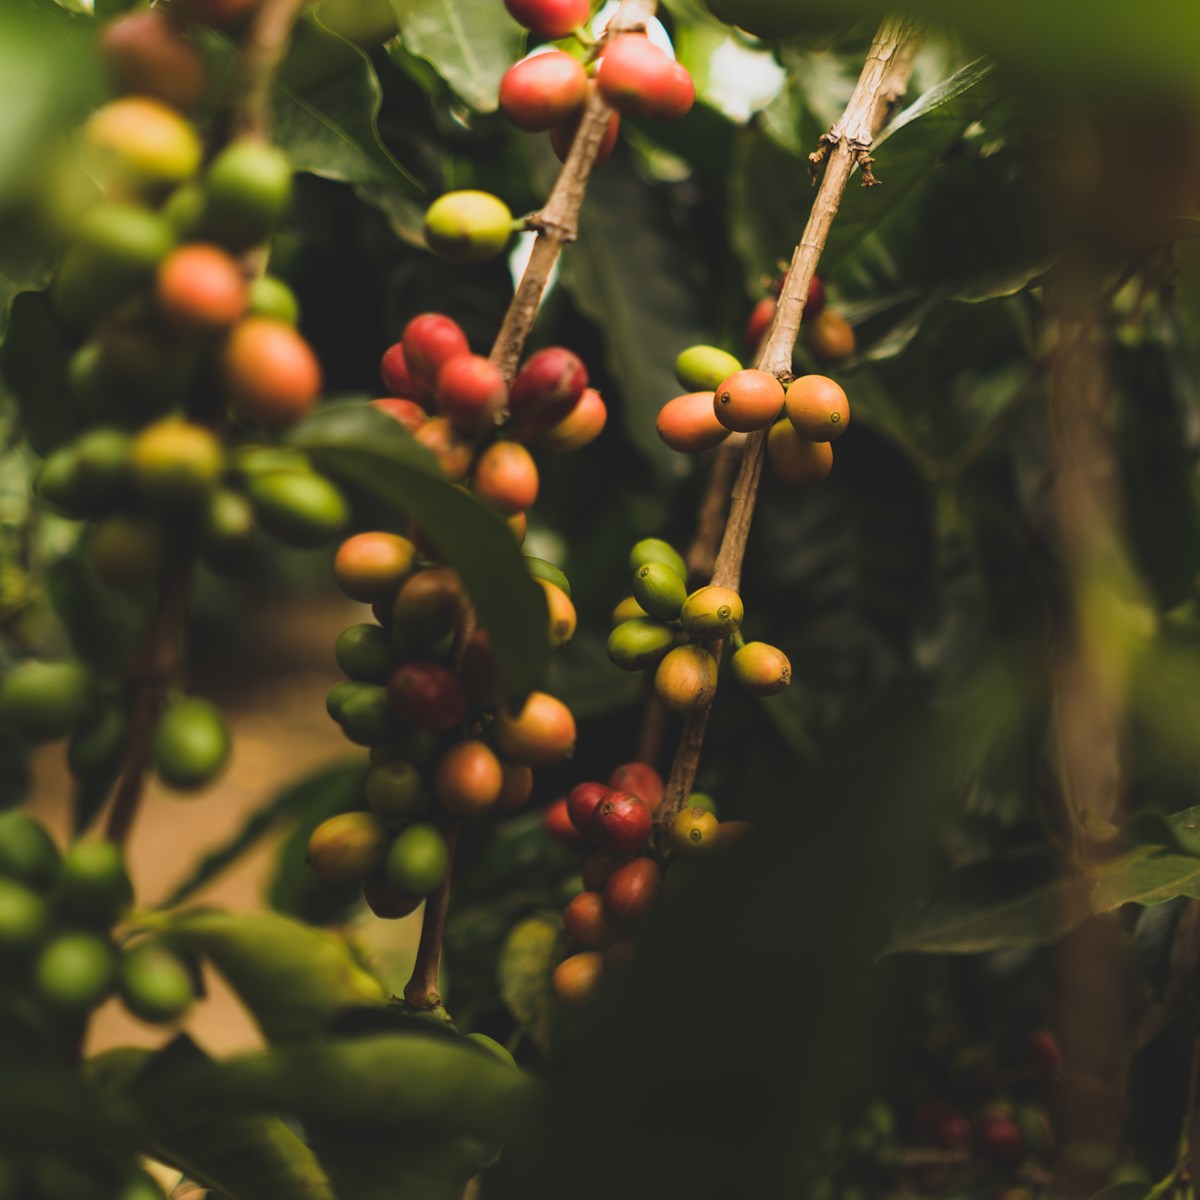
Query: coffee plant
[(749, 448)]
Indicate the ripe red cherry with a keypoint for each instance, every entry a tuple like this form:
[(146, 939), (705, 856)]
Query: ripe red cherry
[(759, 321), (557, 824), (638, 79), (1045, 1052), (621, 824), (542, 91), (398, 379), (640, 780), (953, 1131), (200, 287), (562, 136), (1000, 1140), (586, 923), (146, 56), (583, 802), (814, 304), (452, 450), (408, 412), (550, 19), (506, 477), (428, 696), (632, 891), (272, 374), (545, 391), (430, 341), (471, 391)]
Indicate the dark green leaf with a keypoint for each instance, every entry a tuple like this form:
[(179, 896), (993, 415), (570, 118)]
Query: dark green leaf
[(33, 364), (1145, 876)]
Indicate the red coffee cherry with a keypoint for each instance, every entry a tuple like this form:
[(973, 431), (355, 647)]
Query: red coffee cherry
[(830, 337), (429, 342), (575, 979), (814, 304), (639, 80), (408, 412), (953, 1131), (146, 56), (516, 787), (597, 869), (468, 779), (1045, 1053), (542, 91), (562, 136), (471, 391), (817, 408), (398, 380), (795, 460), (586, 922), (452, 451), (580, 427), (748, 400), (582, 803), (550, 19), (200, 287), (1000, 1140), (621, 824), (557, 824), (546, 389), (428, 696), (272, 375), (759, 321), (371, 566), (631, 892), (506, 477), (640, 780), (540, 735), (689, 423), (431, 604)]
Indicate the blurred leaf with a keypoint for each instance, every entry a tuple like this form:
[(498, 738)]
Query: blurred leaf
[(470, 43), (1125, 1191), (14, 771), (1146, 876), (33, 364), (362, 446), (25, 266), (527, 960), (103, 625), (583, 677)]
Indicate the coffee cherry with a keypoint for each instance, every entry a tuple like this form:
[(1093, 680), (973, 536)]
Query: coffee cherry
[(366, 715), (550, 19), (126, 552), (348, 847), (156, 984), (217, 13), (796, 461), (627, 610), (141, 144), (631, 893), (75, 972), (418, 859), (621, 824), (430, 605), (268, 296), (597, 869), (814, 303), (575, 979), (656, 550), (102, 466), (371, 566), (395, 791), (272, 375), (471, 391), (547, 388), (686, 679), (199, 287), (562, 137), (506, 477), (191, 745), (177, 463), (428, 696), (429, 342), (694, 829), (562, 614), (298, 507), (639, 80), (452, 451), (761, 669), (702, 800), (817, 408), (24, 919), (659, 591), (57, 484), (748, 400), (1036, 1130), (364, 653), (557, 824), (619, 955), (641, 780), (247, 191), (540, 735), (145, 55), (93, 887), (759, 321), (385, 901), (712, 612), (582, 803), (1045, 1053), (468, 226), (953, 1131), (96, 746), (27, 852), (639, 643), (407, 412), (516, 787), (830, 337), (579, 428), (398, 379), (543, 90), (702, 368), (586, 923), (468, 779), (45, 700), (999, 1140)]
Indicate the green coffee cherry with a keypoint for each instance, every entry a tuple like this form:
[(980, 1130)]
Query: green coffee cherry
[(364, 653), (687, 679), (366, 717), (659, 590), (57, 484), (702, 800), (227, 532), (24, 918), (493, 1048), (650, 550), (191, 745), (27, 852), (141, 143), (247, 191), (419, 746), (417, 860), (702, 368), (177, 463), (45, 700), (140, 1187), (639, 643), (539, 568), (627, 610), (271, 297), (348, 847), (156, 984), (93, 887), (75, 972), (761, 669), (468, 226), (126, 552), (102, 465), (395, 790), (336, 697), (301, 509), (712, 612), (95, 748), (184, 209)]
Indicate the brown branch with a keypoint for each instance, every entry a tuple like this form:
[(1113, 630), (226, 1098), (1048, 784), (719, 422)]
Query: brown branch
[(423, 990), (843, 148), (262, 52)]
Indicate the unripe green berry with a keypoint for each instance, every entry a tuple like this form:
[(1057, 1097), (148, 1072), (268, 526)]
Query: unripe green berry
[(156, 984), (702, 368), (650, 550), (417, 861), (102, 465), (687, 679), (659, 590), (468, 226), (24, 918), (299, 508), (395, 790), (177, 463), (27, 852), (75, 972), (761, 668), (191, 745), (271, 297), (247, 190), (364, 653), (93, 887), (227, 532), (639, 643), (702, 800), (58, 484), (712, 612), (366, 716), (45, 700)]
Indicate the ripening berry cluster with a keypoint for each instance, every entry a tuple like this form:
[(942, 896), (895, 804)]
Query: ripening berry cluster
[(649, 626), (828, 336)]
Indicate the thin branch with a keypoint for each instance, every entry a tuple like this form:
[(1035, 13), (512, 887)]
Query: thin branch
[(262, 53), (846, 146), (423, 990)]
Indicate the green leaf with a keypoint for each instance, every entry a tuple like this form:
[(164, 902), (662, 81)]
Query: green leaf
[(372, 452), (1125, 1191), (25, 265), (1146, 876), (1020, 900), (33, 366), (470, 43), (526, 963)]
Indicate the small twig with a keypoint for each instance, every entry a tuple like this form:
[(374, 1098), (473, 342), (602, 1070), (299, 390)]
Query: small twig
[(423, 990), (710, 520), (263, 51)]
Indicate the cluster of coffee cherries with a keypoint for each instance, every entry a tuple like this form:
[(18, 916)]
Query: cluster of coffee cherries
[(828, 336), (649, 624), (547, 92), (725, 399)]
